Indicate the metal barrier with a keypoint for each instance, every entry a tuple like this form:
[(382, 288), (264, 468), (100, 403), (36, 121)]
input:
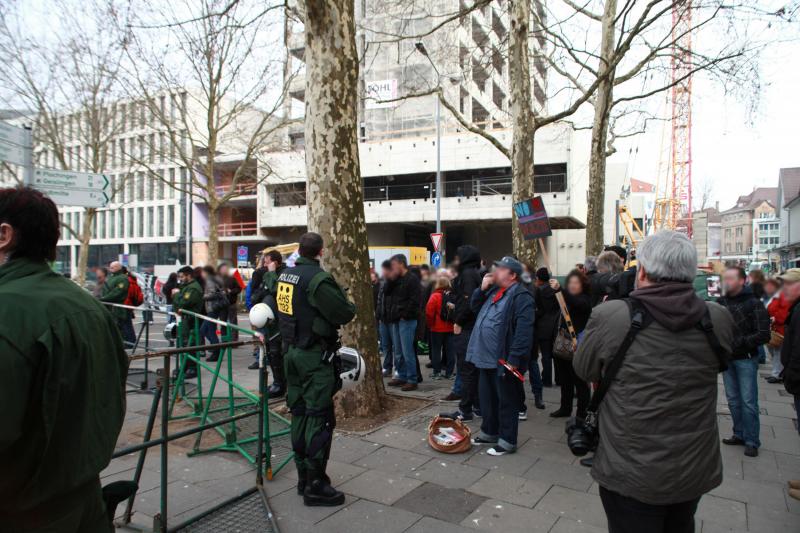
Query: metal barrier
[(166, 394)]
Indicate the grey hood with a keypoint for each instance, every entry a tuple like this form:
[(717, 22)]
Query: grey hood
[(674, 305)]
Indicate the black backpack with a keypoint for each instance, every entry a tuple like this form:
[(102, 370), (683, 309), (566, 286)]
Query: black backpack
[(446, 313)]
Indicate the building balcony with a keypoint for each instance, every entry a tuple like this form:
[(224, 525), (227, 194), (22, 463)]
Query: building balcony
[(238, 229), (241, 190)]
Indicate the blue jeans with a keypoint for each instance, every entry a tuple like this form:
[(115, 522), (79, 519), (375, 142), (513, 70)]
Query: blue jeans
[(128, 333), (741, 389), (546, 347), (404, 333), (385, 336), (500, 406), (535, 377), (442, 349), (208, 330), (457, 385)]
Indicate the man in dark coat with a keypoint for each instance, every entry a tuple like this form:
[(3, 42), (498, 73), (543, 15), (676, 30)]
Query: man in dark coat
[(790, 350)]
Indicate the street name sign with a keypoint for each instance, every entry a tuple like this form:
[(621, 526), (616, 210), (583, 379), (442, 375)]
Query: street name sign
[(13, 142), (81, 189)]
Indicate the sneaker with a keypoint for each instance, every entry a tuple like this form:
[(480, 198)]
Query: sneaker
[(387, 372), (464, 417), (733, 441), (435, 376), (498, 450), (452, 397), (408, 387), (477, 441), (587, 461), (523, 415), (428, 365), (774, 380), (749, 451), (477, 413), (397, 382), (539, 403), (253, 365)]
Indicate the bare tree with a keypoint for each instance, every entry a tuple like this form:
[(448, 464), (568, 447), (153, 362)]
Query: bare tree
[(68, 81), (335, 195), (218, 67)]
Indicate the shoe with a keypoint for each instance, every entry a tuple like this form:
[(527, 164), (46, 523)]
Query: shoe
[(435, 376), (458, 415), (477, 441), (253, 365), (749, 451), (408, 387), (794, 493), (587, 461), (452, 397), (733, 441), (561, 413), (774, 380), (428, 365), (539, 403), (320, 494), (498, 450), (523, 415), (477, 413), (794, 484), (396, 382), (387, 372), (189, 373), (276, 390)]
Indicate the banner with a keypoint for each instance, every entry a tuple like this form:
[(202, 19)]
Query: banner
[(532, 218)]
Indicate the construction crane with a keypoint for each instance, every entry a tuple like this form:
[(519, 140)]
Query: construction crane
[(673, 207), (634, 233)]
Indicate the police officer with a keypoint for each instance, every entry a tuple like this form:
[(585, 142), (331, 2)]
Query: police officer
[(62, 380), (311, 308), (268, 294), (115, 291), (188, 296)]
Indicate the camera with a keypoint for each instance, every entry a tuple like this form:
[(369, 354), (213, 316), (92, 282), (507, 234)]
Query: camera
[(582, 434)]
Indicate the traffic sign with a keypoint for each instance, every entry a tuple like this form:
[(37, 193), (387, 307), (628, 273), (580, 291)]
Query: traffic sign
[(436, 259), (73, 188), (12, 134), (436, 239), (12, 153), (241, 256)]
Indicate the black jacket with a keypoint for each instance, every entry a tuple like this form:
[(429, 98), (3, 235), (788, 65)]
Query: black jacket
[(548, 312), (465, 283), (232, 289), (790, 351), (580, 309), (752, 323), (404, 294), (166, 290)]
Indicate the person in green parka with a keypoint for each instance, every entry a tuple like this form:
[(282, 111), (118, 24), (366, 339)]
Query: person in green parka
[(62, 380), (311, 308), (115, 291), (188, 296), (276, 348)]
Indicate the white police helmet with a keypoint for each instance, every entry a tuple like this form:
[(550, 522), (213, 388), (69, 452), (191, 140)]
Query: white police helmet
[(352, 367), (261, 315), (171, 331)]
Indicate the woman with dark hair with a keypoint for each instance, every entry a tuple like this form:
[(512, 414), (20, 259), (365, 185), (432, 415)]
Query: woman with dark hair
[(579, 305)]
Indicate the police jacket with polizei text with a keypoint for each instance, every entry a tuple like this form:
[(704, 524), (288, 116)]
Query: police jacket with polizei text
[(311, 305), (62, 388), (752, 323)]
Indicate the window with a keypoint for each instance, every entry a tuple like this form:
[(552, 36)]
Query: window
[(112, 226), (171, 183), (120, 226), (161, 221), (160, 184), (739, 247), (171, 220), (151, 184), (101, 225), (129, 222), (140, 222), (150, 221)]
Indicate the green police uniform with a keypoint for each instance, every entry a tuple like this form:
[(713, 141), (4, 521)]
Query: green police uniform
[(62, 400), (311, 308), (115, 291), (275, 346), (189, 298)]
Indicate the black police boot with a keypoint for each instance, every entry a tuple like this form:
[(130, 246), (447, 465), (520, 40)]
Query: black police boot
[(276, 390), (319, 493)]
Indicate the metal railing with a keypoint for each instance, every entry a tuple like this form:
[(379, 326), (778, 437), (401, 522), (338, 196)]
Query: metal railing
[(483, 186), (166, 393), (240, 189), (238, 229)]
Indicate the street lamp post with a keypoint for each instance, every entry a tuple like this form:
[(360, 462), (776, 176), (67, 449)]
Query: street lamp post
[(438, 198)]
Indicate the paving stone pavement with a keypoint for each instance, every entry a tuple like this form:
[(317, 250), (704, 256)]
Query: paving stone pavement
[(395, 482)]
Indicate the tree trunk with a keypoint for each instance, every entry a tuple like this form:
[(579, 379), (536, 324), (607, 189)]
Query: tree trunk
[(335, 196), (85, 238), (213, 234), (596, 196), (522, 120)]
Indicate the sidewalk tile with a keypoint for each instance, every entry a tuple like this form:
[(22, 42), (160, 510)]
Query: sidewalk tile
[(580, 506), (512, 489), (762, 519), (450, 505), (368, 517), (349, 449), (750, 492), (545, 449), (393, 460), (448, 474), (575, 477), (432, 525), (723, 512), (380, 487), (495, 515), (515, 463), (397, 437), (292, 515), (567, 525)]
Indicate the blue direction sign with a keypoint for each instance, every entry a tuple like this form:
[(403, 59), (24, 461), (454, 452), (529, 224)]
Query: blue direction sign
[(436, 259), (241, 255)]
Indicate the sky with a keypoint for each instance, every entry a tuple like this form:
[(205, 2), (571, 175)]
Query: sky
[(733, 149)]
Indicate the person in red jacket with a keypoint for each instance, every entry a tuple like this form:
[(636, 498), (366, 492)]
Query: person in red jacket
[(441, 328), (778, 309)]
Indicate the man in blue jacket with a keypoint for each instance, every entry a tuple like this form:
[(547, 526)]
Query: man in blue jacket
[(503, 330)]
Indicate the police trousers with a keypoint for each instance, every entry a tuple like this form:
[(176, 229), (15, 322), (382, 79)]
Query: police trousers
[(311, 385)]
